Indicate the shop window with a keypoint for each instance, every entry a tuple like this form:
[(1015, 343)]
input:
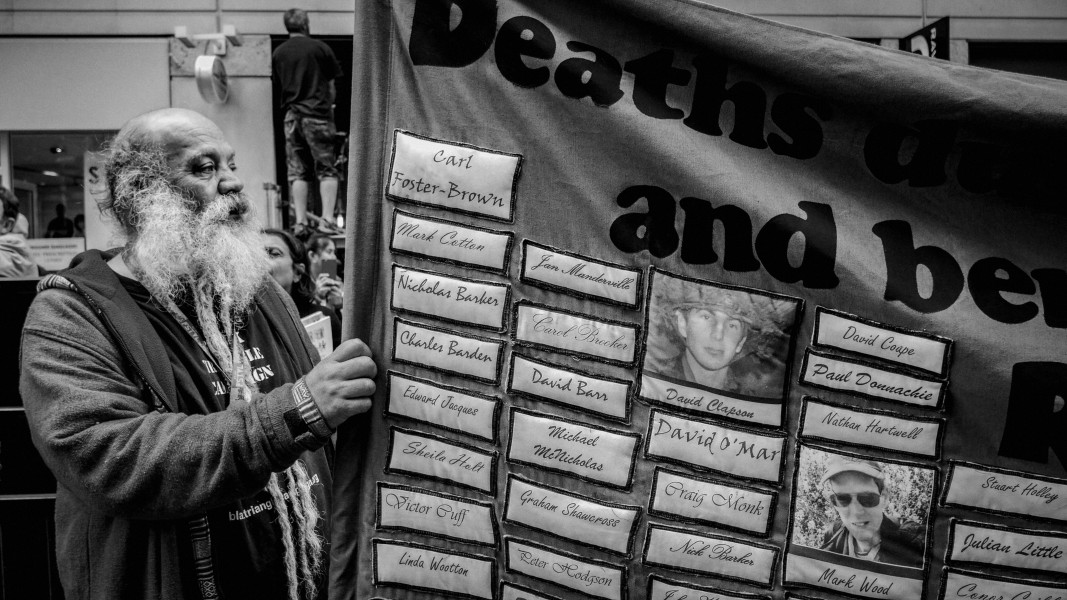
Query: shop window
[(49, 171)]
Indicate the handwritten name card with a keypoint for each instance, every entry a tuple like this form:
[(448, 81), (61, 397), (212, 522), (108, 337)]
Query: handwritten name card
[(862, 379), (607, 526), (1032, 550), (854, 578), (511, 591), (598, 394), (435, 513), (580, 275), (709, 555), (965, 584), (445, 241), (698, 400), (708, 445), (453, 175), (591, 577), (451, 352), (661, 588), (438, 458), (1006, 492), (424, 568), (444, 406), (572, 448), (573, 333), (870, 428), (918, 350), (453, 299), (707, 502)]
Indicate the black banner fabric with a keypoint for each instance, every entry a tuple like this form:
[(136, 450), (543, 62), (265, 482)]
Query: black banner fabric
[(673, 302)]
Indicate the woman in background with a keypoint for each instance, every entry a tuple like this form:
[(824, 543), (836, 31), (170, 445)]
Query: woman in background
[(327, 285), (291, 268)]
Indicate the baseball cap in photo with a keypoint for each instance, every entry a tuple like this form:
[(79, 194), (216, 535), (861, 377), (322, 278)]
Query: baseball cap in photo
[(844, 464)]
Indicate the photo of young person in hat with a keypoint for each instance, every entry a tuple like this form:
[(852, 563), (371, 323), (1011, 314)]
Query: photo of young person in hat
[(864, 509), (718, 337)]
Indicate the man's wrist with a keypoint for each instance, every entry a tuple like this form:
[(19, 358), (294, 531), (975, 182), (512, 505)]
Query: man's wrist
[(311, 422)]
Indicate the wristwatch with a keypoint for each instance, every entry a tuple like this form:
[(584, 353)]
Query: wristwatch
[(305, 420)]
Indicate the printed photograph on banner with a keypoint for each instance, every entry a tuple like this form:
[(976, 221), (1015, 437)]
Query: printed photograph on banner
[(860, 525), (716, 349)]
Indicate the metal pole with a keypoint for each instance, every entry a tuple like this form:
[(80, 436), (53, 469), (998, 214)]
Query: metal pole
[(924, 13)]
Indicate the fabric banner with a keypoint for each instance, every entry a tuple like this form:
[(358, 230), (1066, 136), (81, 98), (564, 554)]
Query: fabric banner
[(670, 300)]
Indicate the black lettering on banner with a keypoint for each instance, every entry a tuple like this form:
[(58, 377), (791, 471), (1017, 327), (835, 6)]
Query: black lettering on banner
[(434, 42), (439, 231), (579, 388), (399, 497), (1036, 420), (585, 271), (446, 349), (971, 585), (470, 458), (512, 48), (663, 588), (569, 566), (446, 404), (578, 433), (473, 197), (574, 513), (439, 561), (1048, 546), (736, 497), (722, 554), (840, 416), (882, 341), (466, 300)]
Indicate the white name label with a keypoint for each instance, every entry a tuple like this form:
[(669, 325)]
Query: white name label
[(961, 584), (596, 579), (709, 502), (437, 458), (1014, 493), (443, 406), (455, 176), (1019, 548), (852, 580), (576, 334), (721, 557), (871, 429), (606, 526), (585, 277), (603, 396), (714, 405), (847, 332), (450, 242), (840, 375), (510, 591), (663, 589), (435, 513), (428, 569), (711, 446), (424, 346), (573, 448), (458, 300)]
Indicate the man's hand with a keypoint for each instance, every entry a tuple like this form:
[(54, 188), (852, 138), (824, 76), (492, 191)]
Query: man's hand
[(342, 383)]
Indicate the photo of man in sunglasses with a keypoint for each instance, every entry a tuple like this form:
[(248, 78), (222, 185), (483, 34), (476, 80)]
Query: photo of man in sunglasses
[(856, 490)]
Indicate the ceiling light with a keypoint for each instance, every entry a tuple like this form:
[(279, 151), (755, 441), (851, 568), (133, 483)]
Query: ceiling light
[(57, 149), (50, 173)]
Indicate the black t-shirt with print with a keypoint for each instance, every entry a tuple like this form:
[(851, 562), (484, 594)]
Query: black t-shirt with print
[(245, 536)]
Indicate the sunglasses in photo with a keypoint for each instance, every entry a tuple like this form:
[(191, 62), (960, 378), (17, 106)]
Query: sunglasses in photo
[(866, 499)]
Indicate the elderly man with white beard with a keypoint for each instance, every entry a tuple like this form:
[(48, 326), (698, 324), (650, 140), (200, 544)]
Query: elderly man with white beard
[(174, 394)]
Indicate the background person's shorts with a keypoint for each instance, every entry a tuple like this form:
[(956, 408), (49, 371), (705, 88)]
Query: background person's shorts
[(309, 147)]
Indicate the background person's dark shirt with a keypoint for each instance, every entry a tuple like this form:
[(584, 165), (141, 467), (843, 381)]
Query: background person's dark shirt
[(303, 68)]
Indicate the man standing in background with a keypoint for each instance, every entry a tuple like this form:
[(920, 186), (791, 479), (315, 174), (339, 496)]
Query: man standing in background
[(305, 70)]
